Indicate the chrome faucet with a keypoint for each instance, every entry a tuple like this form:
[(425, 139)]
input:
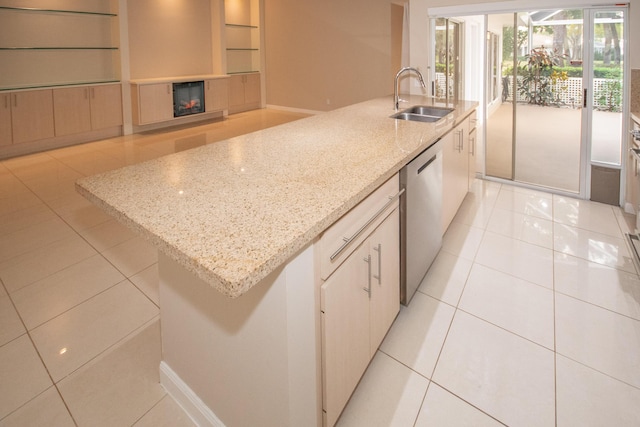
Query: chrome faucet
[(396, 99)]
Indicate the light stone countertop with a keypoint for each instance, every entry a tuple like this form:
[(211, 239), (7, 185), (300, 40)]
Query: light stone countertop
[(233, 211)]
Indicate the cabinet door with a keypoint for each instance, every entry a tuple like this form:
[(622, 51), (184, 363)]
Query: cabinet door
[(385, 284), (344, 305), (450, 155), (155, 103), (72, 110), (236, 91), (216, 96), (473, 145), (32, 115), (106, 106), (5, 119), (252, 89)]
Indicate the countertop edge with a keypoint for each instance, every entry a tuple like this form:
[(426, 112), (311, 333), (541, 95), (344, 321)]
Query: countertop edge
[(238, 288)]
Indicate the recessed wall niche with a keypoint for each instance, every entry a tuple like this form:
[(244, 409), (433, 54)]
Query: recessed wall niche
[(53, 43)]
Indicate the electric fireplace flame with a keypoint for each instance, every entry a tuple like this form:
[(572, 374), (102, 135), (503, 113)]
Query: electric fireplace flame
[(188, 98)]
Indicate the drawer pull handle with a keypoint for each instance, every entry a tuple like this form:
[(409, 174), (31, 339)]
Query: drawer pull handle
[(348, 240), (379, 276), (368, 288)]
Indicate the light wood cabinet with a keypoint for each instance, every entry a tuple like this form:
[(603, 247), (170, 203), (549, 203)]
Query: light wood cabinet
[(106, 106), (359, 302), (153, 103), (473, 147), (72, 110), (216, 95), (83, 109), (633, 174), (385, 278), (455, 172), (32, 115), (244, 92), (345, 331), (5, 119)]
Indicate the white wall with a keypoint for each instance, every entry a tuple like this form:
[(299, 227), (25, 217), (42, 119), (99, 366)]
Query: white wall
[(169, 38)]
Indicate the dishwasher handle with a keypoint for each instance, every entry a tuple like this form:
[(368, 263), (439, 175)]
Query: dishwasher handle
[(426, 165)]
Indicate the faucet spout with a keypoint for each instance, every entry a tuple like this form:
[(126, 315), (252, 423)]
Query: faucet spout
[(396, 98)]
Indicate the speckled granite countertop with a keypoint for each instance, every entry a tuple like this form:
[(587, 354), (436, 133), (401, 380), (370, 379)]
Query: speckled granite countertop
[(233, 211)]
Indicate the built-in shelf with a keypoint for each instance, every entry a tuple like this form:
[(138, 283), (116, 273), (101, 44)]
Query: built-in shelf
[(44, 46), (75, 12), (60, 48), (52, 85), (241, 26), (243, 72)]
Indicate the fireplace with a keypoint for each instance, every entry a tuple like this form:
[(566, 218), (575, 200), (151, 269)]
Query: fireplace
[(188, 98)]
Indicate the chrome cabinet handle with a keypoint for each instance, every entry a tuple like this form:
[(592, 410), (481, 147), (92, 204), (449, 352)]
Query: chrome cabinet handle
[(15, 100), (379, 276), (347, 240), (368, 288), (472, 146)]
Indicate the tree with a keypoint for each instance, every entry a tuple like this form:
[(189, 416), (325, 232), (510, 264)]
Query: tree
[(559, 36)]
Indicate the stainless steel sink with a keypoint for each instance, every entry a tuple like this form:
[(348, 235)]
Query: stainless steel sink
[(428, 111), (416, 117), (422, 113)]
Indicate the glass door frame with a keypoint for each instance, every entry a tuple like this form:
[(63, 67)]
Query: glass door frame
[(587, 84), (584, 192)]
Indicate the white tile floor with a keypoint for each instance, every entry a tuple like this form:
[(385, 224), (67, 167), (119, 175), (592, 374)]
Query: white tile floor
[(529, 316)]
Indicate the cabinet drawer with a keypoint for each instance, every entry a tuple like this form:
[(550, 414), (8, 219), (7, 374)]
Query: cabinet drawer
[(339, 240)]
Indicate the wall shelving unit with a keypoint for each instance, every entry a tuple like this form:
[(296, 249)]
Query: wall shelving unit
[(243, 48), (41, 47)]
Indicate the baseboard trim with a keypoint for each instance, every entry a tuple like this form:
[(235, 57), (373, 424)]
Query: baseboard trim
[(187, 399)]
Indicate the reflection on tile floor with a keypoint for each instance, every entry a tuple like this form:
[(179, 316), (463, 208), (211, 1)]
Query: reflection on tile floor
[(79, 317), (532, 308), (530, 314)]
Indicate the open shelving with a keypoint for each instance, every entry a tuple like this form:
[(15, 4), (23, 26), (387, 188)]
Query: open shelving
[(48, 47)]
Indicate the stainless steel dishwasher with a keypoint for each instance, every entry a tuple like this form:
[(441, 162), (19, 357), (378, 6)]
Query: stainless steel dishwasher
[(420, 218)]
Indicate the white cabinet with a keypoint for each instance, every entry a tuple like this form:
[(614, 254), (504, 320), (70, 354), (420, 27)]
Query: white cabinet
[(216, 95), (152, 103), (5, 119), (361, 298), (244, 92), (455, 172), (32, 115)]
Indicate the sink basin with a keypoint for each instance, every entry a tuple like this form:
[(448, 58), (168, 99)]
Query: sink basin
[(422, 113), (416, 117), (428, 111)]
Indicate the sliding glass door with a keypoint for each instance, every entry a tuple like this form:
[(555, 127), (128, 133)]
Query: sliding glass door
[(560, 109)]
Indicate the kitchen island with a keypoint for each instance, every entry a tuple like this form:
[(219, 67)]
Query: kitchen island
[(236, 224)]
